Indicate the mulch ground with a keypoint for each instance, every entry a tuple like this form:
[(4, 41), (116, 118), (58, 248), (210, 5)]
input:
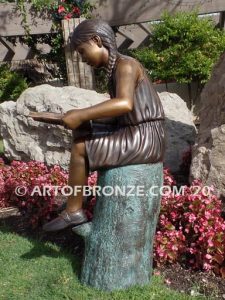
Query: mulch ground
[(175, 276)]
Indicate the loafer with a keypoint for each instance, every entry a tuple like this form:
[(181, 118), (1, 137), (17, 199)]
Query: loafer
[(65, 220)]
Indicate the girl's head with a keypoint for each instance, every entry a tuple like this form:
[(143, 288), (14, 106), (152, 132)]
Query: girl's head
[(95, 41)]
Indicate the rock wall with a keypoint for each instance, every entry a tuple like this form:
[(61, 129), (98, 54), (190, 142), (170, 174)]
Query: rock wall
[(26, 139), (208, 163)]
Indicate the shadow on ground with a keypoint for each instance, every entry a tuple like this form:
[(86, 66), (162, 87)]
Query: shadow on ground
[(71, 245)]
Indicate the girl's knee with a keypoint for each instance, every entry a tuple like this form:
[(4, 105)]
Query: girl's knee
[(77, 161), (78, 149), (78, 154)]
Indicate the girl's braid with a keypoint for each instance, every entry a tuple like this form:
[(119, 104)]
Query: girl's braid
[(87, 29)]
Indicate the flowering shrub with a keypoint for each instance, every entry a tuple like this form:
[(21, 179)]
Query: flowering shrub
[(67, 9), (24, 185), (17, 185), (92, 181), (190, 228)]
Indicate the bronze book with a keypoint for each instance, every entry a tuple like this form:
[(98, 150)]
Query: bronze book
[(47, 117)]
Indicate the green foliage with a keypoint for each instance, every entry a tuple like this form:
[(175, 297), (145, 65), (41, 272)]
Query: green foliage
[(1, 146), (12, 84), (183, 47), (56, 55), (57, 10), (43, 4), (53, 5), (101, 81)]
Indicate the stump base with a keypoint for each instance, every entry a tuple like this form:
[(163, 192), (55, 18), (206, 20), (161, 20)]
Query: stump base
[(119, 241)]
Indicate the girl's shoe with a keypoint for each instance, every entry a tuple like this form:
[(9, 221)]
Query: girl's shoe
[(66, 219)]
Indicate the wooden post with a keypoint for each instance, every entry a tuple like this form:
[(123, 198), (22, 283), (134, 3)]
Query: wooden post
[(222, 20), (79, 74), (119, 240)]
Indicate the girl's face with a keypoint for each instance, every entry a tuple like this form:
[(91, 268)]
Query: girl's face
[(93, 53)]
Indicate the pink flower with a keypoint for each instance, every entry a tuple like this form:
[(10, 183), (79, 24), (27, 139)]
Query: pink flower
[(167, 281), (76, 10), (208, 256), (61, 9), (207, 215), (207, 266), (191, 218), (157, 273), (210, 243), (68, 16), (192, 250)]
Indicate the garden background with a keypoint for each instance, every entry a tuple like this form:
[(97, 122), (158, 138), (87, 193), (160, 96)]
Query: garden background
[(190, 240)]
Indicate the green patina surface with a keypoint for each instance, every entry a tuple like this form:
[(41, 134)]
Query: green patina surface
[(118, 245)]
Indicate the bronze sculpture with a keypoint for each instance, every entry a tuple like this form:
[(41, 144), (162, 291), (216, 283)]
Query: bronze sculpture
[(124, 130)]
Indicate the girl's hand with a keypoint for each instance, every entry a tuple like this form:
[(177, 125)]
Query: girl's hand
[(72, 119)]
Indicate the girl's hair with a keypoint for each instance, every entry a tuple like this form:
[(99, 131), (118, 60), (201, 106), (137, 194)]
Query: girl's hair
[(88, 29)]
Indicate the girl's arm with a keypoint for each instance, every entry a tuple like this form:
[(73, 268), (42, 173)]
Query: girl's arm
[(47, 117), (127, 75)]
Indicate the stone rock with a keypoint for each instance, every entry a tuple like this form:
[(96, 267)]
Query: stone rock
[(26, 139), (208, 160), (180, 129)]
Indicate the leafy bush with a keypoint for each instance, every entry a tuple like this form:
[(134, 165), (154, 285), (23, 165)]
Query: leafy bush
[(183, 47), (101, 81), (12, 84)]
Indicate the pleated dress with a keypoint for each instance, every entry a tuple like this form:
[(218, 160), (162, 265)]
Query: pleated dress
[(137, 137)]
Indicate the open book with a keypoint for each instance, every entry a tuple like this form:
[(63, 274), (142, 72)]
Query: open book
[(84, 130), (47, 117)]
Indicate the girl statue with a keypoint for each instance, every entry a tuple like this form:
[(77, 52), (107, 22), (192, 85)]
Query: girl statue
[(124, 130)]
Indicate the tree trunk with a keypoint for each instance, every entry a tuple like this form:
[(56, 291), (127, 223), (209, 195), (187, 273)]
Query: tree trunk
[(119, 240)]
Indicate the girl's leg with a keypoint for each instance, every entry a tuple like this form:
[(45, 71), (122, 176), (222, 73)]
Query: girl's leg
[(78, 173)]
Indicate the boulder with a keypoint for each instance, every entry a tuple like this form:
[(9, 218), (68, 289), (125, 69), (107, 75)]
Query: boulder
[(180, 129), (208, 160), (26, 139)]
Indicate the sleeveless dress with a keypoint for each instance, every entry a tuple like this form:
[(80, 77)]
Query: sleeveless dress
[(137, 137)]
